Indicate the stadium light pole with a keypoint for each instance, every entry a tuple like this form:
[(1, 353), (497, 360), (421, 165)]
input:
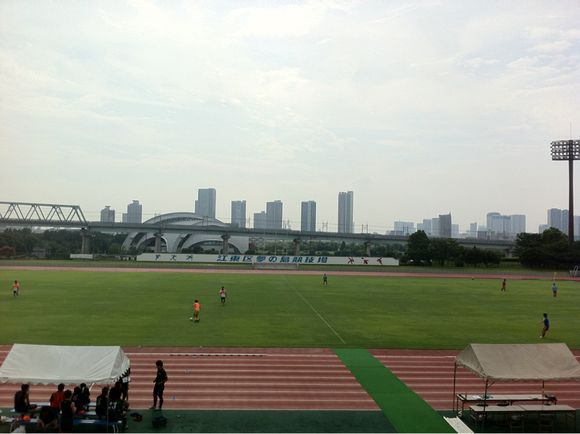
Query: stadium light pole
[(568, 150)]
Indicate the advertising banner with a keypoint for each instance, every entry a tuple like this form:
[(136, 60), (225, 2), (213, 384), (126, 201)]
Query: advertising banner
[(267, 259)]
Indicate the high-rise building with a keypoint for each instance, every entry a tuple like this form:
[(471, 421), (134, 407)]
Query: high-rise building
[(454, 230), (345, 212), (134, 213), (517, 224), (205, 203), (260, 220), (504, 226), (274, 212), (499, 225), (239, 213), (107, 215), (564, 224), (403, 228), (427, 226), (308, 216), (445, 226), (489, 219), (435, 227), (472, 230), (555, 218)]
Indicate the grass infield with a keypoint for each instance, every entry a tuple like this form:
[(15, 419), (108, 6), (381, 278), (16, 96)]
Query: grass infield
[(146, 308)]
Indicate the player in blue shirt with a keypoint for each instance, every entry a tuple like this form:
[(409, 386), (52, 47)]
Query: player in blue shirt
[(546, 322)]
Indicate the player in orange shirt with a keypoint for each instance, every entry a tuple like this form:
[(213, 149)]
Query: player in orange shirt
[(16, 288), (196, 309)]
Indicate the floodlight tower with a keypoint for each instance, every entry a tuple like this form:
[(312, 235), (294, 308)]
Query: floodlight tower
[(568, 150)]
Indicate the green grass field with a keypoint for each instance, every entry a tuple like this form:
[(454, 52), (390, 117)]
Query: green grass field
[(144, 308)]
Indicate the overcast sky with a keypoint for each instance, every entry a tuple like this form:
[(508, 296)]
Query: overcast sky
[(421, 108)]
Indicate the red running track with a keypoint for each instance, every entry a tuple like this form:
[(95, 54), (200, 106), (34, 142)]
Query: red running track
[(358, 272), (234, 379), (430, 374), (290, 379)]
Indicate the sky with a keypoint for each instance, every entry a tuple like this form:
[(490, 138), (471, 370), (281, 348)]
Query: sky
[(420, 108)]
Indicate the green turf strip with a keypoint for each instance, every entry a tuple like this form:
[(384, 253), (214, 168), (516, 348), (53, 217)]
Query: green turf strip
[(405, 410)]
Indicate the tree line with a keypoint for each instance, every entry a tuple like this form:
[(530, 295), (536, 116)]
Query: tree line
[(55, 244), (425, 251)]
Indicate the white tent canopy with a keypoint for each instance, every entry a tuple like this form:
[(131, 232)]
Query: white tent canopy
[(520, 362), (53, 364)]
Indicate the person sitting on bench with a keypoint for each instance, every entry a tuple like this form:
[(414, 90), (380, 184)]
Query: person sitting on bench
[(84, 397), (67, 412), (57, 397), (102, 404), (47, 418), (22, 401)]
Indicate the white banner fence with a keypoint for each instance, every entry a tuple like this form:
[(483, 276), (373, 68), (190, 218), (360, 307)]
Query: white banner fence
[(267, 259)]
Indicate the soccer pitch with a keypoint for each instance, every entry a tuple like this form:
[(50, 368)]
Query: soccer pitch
[(283, 310)]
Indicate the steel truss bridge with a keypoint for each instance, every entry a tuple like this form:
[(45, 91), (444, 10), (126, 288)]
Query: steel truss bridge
[(54, 216)]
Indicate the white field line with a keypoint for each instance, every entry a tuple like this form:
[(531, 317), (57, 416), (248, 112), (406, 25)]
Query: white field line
[(316, 312), (389, 356), (223, 354)]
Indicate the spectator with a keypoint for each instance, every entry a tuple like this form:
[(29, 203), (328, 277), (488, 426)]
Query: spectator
[(115, 393), (125, 380), (102, 404), (47, 418), (22, 401), (67, 411), (57, 397), (160, 380), (83, 399), (75, 398)]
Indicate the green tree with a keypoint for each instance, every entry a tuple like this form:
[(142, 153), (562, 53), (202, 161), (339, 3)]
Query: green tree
[(550, 249), (443, 250), (418, 251), (491, 257)]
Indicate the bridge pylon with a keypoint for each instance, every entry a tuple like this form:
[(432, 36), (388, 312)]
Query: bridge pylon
[(86, 241), (225, 244)]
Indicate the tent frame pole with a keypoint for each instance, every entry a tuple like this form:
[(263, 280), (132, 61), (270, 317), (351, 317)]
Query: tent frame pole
[(485, 403), (455, 403)]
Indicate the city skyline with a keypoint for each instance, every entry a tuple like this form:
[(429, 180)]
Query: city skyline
[(272, 217), (111, 101)]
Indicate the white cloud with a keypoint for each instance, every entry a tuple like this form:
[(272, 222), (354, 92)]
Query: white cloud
[(323, 94), (553, 47)]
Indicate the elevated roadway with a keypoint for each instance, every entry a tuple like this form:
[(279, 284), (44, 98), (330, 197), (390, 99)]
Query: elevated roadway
[(51, 216)]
